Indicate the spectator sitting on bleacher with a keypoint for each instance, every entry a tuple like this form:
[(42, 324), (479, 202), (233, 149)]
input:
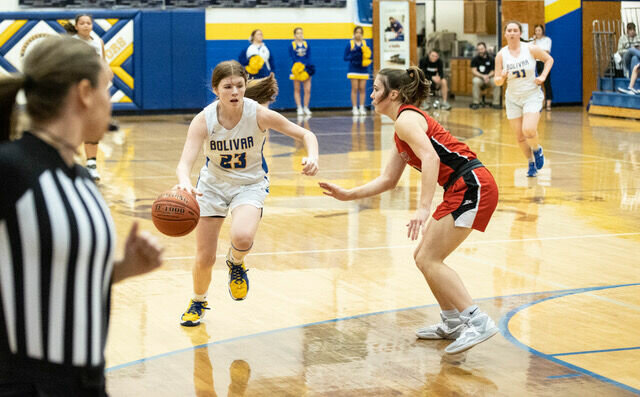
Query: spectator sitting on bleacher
[(634, 76), (433, 69), (483, 70), (629, 48)]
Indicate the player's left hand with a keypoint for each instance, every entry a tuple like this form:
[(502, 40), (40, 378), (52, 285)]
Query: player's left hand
[(417, 223), (540, 80), (310, 166)]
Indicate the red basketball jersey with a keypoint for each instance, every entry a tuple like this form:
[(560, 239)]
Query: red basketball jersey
[(453, 153)]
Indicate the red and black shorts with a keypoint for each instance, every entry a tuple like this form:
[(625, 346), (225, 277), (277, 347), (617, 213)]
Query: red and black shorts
[(471, 200)]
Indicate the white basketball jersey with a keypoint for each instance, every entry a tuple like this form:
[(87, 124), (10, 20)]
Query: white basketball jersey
[(522, 72), (235, 155), (94, 42)]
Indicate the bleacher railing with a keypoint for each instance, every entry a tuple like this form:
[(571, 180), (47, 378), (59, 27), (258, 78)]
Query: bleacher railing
[(605, 45), (606, 34)]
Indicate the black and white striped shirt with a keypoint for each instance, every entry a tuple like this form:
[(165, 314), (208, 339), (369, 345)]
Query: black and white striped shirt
[(56, 258)]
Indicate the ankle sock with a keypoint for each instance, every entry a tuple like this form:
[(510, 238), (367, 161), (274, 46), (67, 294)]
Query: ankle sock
[(469, 311), (451, 314)]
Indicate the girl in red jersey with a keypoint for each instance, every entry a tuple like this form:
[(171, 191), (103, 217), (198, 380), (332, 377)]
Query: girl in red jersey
[(470, 197)]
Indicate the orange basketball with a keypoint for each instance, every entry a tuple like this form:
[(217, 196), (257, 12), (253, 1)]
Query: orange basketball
[(175, 213)]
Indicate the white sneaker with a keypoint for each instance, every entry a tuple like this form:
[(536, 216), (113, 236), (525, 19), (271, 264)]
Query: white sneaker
[(93, 172), (477, 328), (362, 111), (447, 329), (300, 112), (306, 111), (354, 111)]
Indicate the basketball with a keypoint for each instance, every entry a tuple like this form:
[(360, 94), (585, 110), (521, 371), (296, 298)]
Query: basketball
[(175, 213)]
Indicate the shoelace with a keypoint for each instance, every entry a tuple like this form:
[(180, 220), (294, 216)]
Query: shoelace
[(197, 307), (237, 272)]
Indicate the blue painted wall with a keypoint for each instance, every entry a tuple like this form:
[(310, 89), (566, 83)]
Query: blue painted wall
[(566, 50), (330, 87), (174, 60)]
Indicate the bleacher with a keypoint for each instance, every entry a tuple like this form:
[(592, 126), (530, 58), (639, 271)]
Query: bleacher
[(606, 100)]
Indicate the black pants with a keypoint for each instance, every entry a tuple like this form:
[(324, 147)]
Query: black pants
[(37, 379), (548, 93)]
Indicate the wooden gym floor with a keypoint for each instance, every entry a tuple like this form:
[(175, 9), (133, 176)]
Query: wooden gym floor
[(335, 297)]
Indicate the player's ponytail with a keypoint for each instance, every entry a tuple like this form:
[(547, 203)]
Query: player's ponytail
[(9, 87), (50, 69), (263, 91), (70, 28), (411, 84)]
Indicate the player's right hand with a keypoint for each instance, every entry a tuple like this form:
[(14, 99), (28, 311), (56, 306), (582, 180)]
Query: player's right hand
[(334, 191), (189, 188)]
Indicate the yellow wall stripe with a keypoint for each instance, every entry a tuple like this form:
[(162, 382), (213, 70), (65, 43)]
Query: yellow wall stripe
[(125, 99), (124, 76), (126, 53), (559, 9), (276, 31), (11, 30), (112, 21)]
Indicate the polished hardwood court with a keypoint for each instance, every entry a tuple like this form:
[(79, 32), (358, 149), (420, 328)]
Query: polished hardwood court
[(335, 296)]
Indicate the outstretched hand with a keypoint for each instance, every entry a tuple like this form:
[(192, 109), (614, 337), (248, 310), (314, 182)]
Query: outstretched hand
[(334, 191)]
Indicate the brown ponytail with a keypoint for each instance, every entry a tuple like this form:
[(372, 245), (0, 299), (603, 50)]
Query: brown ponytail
[(70, 28), (410, 83), (50, 69), (262, 90), (9, 87)]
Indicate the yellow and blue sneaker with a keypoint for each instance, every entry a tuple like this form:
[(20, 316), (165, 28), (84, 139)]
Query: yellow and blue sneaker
[(194, 313), (238, 280)]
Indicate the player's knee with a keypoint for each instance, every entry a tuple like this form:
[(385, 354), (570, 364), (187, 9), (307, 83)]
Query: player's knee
[(529, 132), (424, 261), (242, 241), (205, 259)]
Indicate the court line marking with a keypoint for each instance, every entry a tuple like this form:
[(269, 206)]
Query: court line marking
[(554, 284), (558, 151), (597, 351), (503, 325), (563, 376), (347, 170), (464, 244)]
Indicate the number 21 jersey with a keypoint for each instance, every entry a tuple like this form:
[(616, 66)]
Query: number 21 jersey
[(521, 72)]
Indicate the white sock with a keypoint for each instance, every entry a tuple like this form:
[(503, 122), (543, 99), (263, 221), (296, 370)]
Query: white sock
[(200, 298), (451, 314), (469, 311), (232, 257)]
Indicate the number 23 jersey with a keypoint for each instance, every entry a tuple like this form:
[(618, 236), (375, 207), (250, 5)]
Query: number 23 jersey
[(235, 155), (521, 72)]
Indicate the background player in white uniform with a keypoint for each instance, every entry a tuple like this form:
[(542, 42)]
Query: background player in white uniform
[(517, 63), (234, 178), (83, 30)]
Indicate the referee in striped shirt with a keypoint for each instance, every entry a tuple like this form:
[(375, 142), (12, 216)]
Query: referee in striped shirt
[(56, 233)]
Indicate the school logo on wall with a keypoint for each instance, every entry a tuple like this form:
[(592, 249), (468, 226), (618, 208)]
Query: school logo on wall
[(22, 32)]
